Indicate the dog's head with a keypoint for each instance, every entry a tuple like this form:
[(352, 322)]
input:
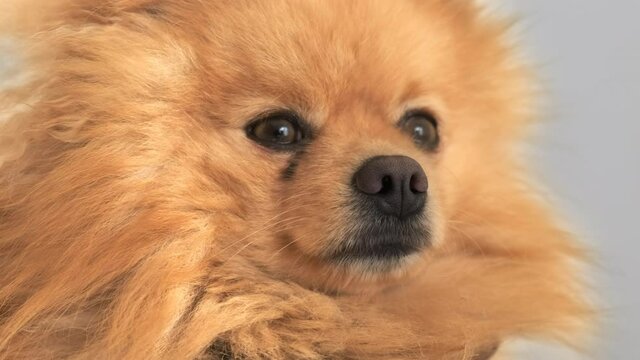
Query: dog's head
[(354, 132), (340, 145), (341, 137)]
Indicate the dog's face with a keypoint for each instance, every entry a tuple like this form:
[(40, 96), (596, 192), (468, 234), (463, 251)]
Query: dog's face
[(334, 142), (342, 138), (349, 122), (358, 128)]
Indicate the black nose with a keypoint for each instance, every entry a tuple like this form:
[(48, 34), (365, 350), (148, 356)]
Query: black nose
[(396, 183)]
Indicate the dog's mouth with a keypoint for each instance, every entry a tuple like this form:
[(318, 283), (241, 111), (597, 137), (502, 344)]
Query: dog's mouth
[(365, 254), (383, 250), (385, 244)]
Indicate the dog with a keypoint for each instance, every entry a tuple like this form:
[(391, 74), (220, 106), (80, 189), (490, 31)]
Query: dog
[(274, 179)]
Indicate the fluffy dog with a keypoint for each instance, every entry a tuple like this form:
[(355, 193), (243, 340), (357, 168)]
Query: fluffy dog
[(272, 179)]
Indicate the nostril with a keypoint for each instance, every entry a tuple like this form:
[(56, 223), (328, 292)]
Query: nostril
[(418, 183), (387, 185)]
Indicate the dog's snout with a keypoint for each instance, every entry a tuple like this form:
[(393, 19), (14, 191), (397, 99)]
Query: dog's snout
[(398, 184)]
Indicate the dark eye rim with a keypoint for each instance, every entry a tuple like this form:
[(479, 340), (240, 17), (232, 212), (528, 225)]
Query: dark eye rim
[(429, 116), (305, 129)]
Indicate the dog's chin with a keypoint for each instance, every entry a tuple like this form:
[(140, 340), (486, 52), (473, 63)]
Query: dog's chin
[(372, 269), (368, 258), (387, 246), (349, 271), (378, 256), (379, 265)]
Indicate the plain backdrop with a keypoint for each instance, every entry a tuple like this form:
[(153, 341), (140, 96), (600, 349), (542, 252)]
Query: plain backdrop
[(588, 148)]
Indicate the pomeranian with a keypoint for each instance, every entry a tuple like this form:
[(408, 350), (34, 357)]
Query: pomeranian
[(274, 179)]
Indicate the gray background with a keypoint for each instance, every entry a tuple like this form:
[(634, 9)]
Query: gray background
[(588, 150)]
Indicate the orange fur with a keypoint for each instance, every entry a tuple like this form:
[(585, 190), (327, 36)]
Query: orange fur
[(138, 221)]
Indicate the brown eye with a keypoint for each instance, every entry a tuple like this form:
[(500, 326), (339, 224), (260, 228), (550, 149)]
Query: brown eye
[(422, 127), (278, 131)]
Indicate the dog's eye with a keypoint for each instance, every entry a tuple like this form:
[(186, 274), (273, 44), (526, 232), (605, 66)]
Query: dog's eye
[(278, 131), (422, 127)]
